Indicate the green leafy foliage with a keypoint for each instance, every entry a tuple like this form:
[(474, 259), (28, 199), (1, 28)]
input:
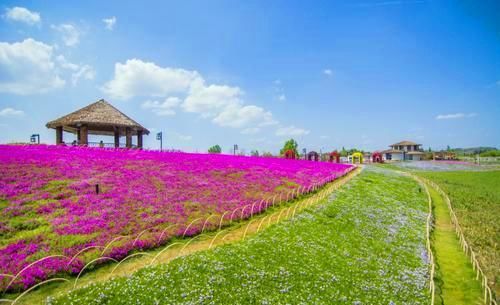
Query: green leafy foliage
[(216, 149), (290, 145)]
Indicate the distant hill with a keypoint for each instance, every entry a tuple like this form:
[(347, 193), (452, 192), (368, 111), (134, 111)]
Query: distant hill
[(473, 150)]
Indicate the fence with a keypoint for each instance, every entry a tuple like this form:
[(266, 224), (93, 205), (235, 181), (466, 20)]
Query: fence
[(488, 296)]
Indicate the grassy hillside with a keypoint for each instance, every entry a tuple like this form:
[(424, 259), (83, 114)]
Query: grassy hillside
[(364, 245)]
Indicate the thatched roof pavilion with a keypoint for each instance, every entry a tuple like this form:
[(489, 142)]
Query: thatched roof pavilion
[(99, 118)]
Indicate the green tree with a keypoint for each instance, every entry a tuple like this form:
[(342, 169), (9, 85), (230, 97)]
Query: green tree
[(290, 145), (215, 149), (448, 148), (343, 152), (254, 153)]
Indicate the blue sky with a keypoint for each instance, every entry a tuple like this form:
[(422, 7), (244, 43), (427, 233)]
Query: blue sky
[(359, 74)]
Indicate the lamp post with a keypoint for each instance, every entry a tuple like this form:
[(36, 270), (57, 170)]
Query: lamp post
[(305, 153), (35, 138), (159, 137), (235, 148)]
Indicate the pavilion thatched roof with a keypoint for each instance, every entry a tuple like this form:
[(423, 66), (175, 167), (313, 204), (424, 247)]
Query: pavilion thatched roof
[(101, 118)]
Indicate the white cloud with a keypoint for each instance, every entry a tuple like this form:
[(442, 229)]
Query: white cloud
[(63, 63), (328, 72), (291, 131), (453, 116), (251, 130), (223, 104), (70, 34), (138, 78), (165, 108), (109, 23), (211, 100), (11, 112), (22, 14), (239, 116), (324, 137), (282, 98), (28, 67), (85, 72)]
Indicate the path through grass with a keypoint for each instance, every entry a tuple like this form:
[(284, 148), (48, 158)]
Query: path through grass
[(455, 278)]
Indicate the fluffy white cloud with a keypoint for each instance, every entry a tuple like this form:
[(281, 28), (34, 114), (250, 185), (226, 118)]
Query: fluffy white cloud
[(22, 14), (282, 98), (211, 100), (239, 116), (70, 34), (164, 108), (28, 67), (223, 104), (138, 78), (328, 72), (11, 112), (453, 116), (109, 23), (291, 131)]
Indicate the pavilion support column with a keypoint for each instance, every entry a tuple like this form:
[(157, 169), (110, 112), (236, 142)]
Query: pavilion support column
[(84, 135), (139, 139), (128, 135), (78, 135), (59, 135), (117, 138)]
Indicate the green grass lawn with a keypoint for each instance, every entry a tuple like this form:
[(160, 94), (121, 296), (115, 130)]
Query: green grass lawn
[(364, 245), (455, 279), (475, 197)]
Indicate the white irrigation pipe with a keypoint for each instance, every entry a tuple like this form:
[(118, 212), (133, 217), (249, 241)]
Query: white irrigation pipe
[(112, 241), (161, 252), (30, 265), (126, 258), (197, 219), (38, 285), (213, 239), (91, 262)]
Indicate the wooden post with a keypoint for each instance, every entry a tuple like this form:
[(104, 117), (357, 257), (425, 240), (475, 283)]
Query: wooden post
[(139, 139), (84, 135), (117, 138), (128, 134), (78, 135), (59, 135)]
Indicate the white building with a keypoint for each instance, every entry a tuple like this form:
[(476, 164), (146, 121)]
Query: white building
[(403, 151)]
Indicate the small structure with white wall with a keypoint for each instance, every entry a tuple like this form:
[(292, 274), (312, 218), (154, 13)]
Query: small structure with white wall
[(403, 151)]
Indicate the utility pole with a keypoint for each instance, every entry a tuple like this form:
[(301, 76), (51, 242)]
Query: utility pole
[(235, 148)]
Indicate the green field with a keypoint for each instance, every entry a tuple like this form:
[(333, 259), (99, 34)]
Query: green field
[(364, 245), (475, 197)]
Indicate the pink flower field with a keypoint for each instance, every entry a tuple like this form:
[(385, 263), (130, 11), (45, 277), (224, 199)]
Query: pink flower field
[(49, 204)]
